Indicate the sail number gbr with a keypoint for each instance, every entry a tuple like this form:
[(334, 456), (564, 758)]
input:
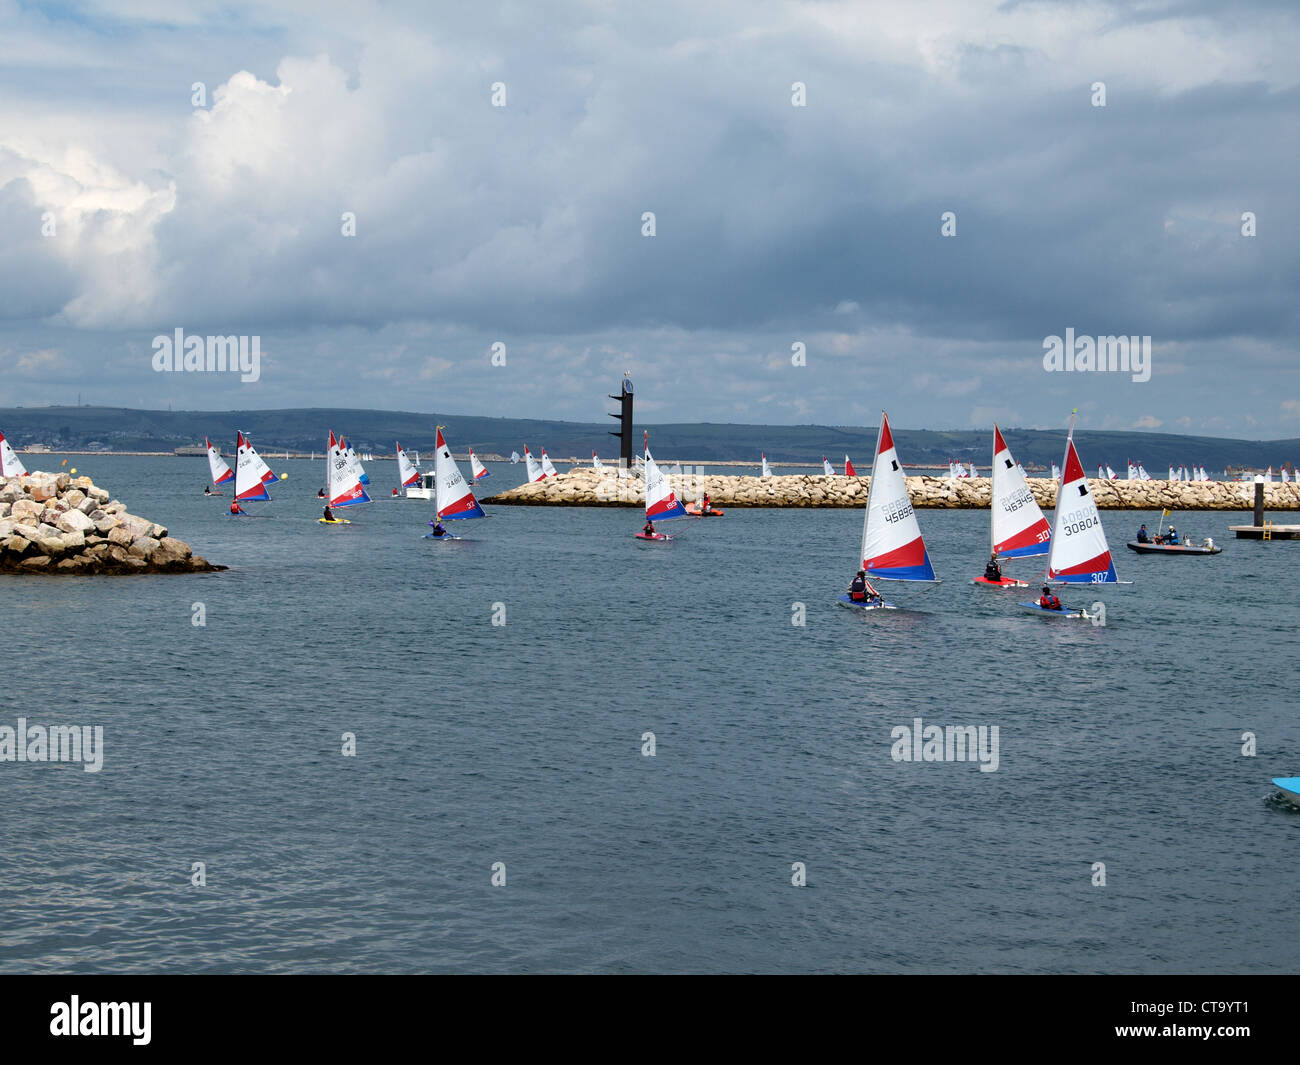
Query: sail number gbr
[(1069, 527)]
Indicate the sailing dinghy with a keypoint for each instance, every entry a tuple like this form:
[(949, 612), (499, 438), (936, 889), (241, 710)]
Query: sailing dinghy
[(535, 471), (547, 469), (1079, 553), (406, 471), (453, 498), (767, 470), (849, 471), (1290, 788), (476, 468), (251, 474), (827, 469), (221, 473), (343, 487), (892, 547), (1017, 527), (661, 502)]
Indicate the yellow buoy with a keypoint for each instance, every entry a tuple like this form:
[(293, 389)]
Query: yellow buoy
[(74, 469), (284, 476)]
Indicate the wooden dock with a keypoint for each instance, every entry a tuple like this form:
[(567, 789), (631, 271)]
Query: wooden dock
[(1267, 531)]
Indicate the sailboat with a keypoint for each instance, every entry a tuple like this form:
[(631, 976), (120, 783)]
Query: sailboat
[(343, 488), (1017, 527), (595, 463), (514, 458), (251, 473), (476, 468), (827, 469), (9, 464), (849, 471), (767, 470), (406, 471), (453, 498), (892, 547), (661, 503), (221, 473), (547, 469), (1079, 552), (535, 472)]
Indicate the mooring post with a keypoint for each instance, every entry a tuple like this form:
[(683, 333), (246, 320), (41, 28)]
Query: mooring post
[(1259, 501)]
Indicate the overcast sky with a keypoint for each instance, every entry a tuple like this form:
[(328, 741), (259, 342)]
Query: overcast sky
[(775, 224)]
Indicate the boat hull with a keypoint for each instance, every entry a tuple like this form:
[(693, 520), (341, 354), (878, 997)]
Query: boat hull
[(1172, 549), (1034, 608), (857, 604), (1290, 788), (1005, 582), (335, 521), (712, 512), (656, 538)]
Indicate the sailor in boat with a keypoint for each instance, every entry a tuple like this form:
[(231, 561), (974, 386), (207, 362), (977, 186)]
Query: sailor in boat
[(206, 490), (1048, 601), (860, 589), (649, 528), (992, 571), (705, 505), (1144, 537), (438, 530), (235, 508), (394, 493), (329, 514), (1172, 538), (320, 494)]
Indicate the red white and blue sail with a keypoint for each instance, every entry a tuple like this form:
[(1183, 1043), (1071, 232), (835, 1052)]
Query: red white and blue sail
[(260, 468), (1018, 526), (344, 489), (534, 469), (1079, 554), (892, 547), (354, 461), (249, 472), (406, 470), (452, 496), (476, 468), (221, 473), (9, 464), (661, 502)]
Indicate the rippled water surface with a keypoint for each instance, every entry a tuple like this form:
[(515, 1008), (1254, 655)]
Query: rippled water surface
[(521, 744)]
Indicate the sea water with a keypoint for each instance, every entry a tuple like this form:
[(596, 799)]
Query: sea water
[(1123, 829)]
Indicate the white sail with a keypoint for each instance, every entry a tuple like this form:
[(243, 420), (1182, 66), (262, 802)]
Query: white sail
[(1017, 524), (595, 462), (547, 468), (767, 470), (827, 469), (892, 547)]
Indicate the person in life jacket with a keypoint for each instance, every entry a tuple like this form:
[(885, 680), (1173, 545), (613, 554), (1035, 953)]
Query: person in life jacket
[(438, 530), (649, 528), (394, 493), (1048, 601), (1173, 535), (320, 494), (705, 505), (206, 490), (235, 508), (1144, 537), (860, 589), (329, 514), (992, 571)]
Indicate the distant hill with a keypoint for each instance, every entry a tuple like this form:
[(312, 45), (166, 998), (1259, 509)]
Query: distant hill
[(124, 429)]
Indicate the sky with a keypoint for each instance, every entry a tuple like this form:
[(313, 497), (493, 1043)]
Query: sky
[(172, 164)]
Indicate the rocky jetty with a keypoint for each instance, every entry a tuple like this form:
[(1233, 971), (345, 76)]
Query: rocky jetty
[(587, 488), (53, 523)]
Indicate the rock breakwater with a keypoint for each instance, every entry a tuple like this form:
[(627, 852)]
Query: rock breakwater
[(588, 488), (54, 523)]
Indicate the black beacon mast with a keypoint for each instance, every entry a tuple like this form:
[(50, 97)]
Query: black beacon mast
[(624, 433)]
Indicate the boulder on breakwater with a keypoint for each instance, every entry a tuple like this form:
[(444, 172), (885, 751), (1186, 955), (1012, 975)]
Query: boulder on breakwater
[(585, 487), (54, 523)]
